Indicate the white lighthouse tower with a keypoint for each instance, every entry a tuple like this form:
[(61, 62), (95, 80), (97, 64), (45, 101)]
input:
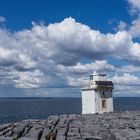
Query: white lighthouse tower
[(97, 96)]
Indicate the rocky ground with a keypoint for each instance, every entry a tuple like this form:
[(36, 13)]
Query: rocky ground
[(108, 126)]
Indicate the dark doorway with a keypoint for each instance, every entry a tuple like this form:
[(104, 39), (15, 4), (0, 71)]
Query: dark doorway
[(104, 104)]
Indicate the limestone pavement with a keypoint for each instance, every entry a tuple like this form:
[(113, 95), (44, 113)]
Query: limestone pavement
[(107, 126)]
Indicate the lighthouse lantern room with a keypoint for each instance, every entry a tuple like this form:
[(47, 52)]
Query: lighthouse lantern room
[(97, 96)]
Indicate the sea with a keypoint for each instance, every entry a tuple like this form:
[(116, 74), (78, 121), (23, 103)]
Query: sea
[(17, 109)]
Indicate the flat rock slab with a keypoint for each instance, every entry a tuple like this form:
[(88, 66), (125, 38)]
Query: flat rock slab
[(107, 126)]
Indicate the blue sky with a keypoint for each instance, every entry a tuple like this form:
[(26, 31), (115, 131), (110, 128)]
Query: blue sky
[(95, 14), (49, 47)]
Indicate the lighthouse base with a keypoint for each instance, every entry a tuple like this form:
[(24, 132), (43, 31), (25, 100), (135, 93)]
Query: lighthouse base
[(94, 102)]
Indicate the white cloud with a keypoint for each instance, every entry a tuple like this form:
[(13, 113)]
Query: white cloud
[(135, 6), (2, 19), (78, 82), (126, 84), (134, 29), (135, 11), (51, 56), (135, 3), (122, 26), (29, 79), (6, 54), (126, 79), (100, 66), (129, 69), (70, 39), (78, 75)]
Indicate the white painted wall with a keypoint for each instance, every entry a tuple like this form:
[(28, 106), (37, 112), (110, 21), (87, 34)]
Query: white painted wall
[(97, 104), (92, 102), (92, 99), (88, 102)]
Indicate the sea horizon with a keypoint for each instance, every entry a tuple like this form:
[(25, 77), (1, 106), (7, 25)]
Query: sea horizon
[(34, 97), (17, 109)]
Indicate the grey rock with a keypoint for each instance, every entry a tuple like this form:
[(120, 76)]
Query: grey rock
[(107, 126)]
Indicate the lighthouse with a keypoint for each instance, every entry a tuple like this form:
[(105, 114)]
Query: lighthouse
[(97, 96)]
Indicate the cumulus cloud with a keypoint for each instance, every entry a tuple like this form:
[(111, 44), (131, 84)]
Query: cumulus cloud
[(78, 75), (78, 69), (134, 6), (126, 79), (134, 29), (72, 40), (29, 79), (126, 84), (122, 26), (134, 11), (2, 19), (129, 69), (51, 56)]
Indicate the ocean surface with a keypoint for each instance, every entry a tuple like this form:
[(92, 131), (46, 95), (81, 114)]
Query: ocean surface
[(16, 109)]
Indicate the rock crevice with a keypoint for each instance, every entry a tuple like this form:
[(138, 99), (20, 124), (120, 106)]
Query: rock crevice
[(107, 126)]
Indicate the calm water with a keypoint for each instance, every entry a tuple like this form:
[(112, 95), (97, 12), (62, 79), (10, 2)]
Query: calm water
[(12, 110)]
